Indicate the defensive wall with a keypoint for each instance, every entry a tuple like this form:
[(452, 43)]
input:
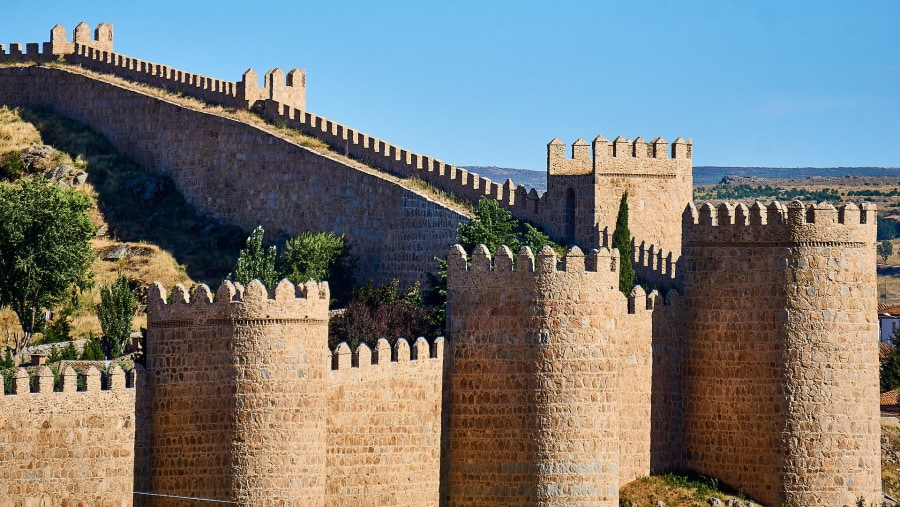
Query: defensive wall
[(583, 192), (245, 175), (781, 351), (267, 414), (759, 367), (73, 447), (550, 379)]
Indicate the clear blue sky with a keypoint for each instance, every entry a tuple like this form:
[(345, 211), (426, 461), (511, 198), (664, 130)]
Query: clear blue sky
[(785, 84)]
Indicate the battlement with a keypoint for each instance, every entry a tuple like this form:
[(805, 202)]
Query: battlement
[(115, 380), (234, 301), (589, 158), (654, 264), (345, 358), (59, 45), (794, 223), (96, 53)]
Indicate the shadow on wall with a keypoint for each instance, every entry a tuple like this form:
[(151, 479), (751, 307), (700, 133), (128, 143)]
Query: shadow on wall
[(139, 205)]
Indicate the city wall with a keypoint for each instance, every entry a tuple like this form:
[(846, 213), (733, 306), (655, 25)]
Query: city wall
[(265, 403), (384, 424), (71, 447), (248, 176), (550, 379), (781, 357)]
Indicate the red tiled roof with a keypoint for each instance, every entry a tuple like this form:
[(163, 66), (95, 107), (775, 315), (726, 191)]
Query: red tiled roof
[(890, 398)]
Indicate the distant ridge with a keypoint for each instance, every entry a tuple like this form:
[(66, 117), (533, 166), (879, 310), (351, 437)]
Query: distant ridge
[(527, 177), (703, 175)]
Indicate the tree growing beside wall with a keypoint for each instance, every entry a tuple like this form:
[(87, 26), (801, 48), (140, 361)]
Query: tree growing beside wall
[(622, 241), (116, 310), (256, 262), (45, 248), (311, 256)]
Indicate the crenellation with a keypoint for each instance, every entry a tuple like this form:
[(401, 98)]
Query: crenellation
[(554, 388)]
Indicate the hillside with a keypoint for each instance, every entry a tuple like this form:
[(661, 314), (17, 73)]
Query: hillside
[(143, 226)]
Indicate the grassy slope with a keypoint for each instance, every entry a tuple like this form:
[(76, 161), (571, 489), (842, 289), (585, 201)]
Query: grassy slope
[(163, 232)]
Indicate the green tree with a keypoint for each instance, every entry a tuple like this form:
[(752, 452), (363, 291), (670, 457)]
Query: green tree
[(319, 256), (889, 374), (885, 249), (45, 248), (256, 262), (93, 350), (622, 241), (492, 226), (115, 312)]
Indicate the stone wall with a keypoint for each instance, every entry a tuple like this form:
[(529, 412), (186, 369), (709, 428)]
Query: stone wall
[(584, 191), (244, 421), (248, 176), (781, 355), (384, 423), (549, 379), (70, 447)]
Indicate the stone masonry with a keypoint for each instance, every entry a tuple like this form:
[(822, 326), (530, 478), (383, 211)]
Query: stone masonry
[(754, 362)]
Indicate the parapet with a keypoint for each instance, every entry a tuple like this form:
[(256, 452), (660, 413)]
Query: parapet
[(363, 357), (308, 301), (588, 159), (792, 224), (115, 381)]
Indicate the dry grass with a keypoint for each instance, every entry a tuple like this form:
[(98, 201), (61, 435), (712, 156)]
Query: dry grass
[(15, 133), (890, 472), (688, 490)]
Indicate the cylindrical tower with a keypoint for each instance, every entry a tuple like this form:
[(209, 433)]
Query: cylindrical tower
[(238, 394), (781, 359), (832, 439), (280, 356), (534, 391), (191, 382)]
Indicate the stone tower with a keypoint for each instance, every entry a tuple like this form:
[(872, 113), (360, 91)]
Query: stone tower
[(583, 192), (247, 422), (781, 357), (540, 413)]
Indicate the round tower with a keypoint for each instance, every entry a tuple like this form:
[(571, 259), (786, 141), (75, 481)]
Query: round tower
[(280, 357), (832, 433), (534, 379), (781, 359)]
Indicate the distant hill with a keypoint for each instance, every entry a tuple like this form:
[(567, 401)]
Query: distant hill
[(703, 175), (527, 177)]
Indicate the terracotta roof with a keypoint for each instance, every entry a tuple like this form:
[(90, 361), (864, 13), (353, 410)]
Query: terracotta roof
[(890, 397), (884, 350), (893, 309)]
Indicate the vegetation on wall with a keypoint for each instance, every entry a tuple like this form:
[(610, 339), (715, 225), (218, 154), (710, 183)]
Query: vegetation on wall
[(256, 262), (493, 226)]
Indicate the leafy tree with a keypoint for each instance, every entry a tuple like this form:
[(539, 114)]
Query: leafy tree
[(7, 360), (885, 249), (622, 241), (319, 256), (492, 226), (256, 262), (44, 248), (93, 350), (115, 312), (67, 353)]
